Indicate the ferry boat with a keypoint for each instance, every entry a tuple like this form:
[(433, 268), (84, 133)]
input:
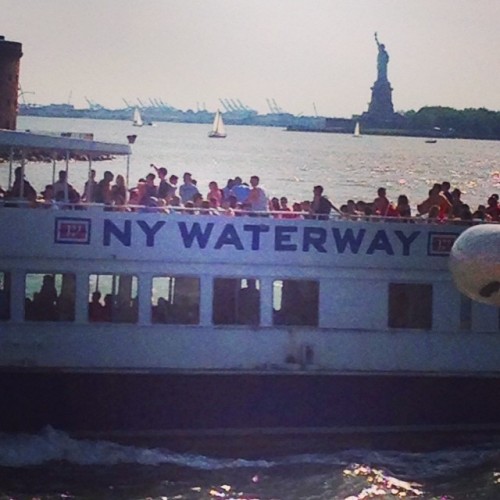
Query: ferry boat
[(148, 323)]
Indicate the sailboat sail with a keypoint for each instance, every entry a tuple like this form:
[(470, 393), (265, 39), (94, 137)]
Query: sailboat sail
[(357, 132), (218, 129), (137, 118)]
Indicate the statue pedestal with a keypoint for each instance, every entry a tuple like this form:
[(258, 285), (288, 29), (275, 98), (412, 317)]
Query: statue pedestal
[(381, 103), (380, 112)]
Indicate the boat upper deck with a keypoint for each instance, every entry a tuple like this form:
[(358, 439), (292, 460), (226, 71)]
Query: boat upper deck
[(11, 140), (93, 232), (146, 235)]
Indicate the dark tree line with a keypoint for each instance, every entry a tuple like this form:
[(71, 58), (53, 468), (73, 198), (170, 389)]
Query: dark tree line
[(441, 121)]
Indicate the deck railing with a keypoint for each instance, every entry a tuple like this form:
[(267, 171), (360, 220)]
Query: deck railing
[(172, 210)]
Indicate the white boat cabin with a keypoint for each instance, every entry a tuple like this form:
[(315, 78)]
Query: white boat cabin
[(90, 288), (144, 290)]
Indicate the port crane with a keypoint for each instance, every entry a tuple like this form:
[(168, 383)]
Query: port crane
[(21, 93), (234, 105), (227, 105), (243, 106), (273, 107), (93, 105)]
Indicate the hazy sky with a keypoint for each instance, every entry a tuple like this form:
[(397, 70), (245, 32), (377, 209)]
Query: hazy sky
[(299, 52)]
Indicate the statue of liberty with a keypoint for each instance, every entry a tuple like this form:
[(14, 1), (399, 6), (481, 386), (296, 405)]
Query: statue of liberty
[(381, 110), (382, 61)]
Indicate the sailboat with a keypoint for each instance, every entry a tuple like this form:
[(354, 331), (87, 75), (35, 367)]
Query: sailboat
[(137, 118), (218, 131), (356, 133)]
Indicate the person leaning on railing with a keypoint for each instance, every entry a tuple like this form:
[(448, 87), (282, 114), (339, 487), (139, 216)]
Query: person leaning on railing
[(21, 189), (321, 205)]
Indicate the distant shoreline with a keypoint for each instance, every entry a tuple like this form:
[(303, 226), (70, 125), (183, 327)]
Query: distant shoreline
[(429, 122)]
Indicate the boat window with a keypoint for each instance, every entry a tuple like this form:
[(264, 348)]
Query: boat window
[(113, 298), (236, 301), (295, 302), (50, 297), (410, 306), (175, 300), (4, 296)]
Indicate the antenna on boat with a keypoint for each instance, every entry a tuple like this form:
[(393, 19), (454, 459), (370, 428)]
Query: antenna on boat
[(11, 161), (90, 194), (53, 168), (23, 165), (131, 140), (66, 197)]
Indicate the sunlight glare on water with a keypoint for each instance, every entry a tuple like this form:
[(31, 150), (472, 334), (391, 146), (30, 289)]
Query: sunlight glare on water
[(288, 163)]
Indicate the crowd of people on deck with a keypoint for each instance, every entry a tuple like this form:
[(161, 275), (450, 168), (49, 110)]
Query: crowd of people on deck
[(442, 203), (160, 192)]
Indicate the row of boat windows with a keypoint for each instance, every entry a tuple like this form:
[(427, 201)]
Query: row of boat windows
[(176, 300)]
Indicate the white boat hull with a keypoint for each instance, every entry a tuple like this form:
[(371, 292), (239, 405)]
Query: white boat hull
[(353, 371)]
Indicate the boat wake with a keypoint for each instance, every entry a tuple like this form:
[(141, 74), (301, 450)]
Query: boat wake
[(50, 445)]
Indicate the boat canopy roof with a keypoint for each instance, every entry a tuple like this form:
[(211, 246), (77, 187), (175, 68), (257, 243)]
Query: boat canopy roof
[(10, 139)]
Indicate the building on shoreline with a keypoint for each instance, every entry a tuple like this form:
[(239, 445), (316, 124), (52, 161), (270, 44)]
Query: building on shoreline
[(10, 56)]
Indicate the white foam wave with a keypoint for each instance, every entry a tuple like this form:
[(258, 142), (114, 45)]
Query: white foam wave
[(21, 450), (18, 450)]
